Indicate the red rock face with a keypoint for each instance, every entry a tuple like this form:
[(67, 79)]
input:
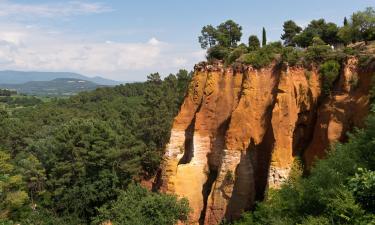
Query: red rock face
[(240, 129), (345, 108)]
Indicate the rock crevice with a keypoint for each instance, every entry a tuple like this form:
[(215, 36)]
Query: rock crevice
[(240, 129)]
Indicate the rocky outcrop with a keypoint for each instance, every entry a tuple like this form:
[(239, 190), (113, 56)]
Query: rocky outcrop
[(344, 109), (240, 129)]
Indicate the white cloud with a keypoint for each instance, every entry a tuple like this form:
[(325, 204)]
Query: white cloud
[(43, 50), (154, 41), (70, 8)]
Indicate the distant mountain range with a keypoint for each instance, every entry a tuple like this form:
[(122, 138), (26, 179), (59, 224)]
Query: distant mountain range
[(20, 77), (56, 87)]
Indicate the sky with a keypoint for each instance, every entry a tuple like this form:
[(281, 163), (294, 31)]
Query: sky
[(127, 40)]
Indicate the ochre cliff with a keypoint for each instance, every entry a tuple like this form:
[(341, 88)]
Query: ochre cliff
[(239, 130)]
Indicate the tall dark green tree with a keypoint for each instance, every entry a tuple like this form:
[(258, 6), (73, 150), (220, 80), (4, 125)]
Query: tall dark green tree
[(254, 43), (208, 37), (291, 29), (264, 37), (229, 33), (345, 21), (328, 32), (156, 113)]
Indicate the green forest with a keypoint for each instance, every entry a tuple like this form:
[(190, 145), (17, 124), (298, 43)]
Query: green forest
[(78, 160)]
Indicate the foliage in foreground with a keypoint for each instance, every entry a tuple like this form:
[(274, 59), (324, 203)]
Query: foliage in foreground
[(339, 190), (137, 206)]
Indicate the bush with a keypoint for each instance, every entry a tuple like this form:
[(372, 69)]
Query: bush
[(363, 187), (264, 56), (317, 53), (137, 206), (350, 51), (365, 60), (218, 52), (291, 56), (236, 53), (330, 71), (257, 59)]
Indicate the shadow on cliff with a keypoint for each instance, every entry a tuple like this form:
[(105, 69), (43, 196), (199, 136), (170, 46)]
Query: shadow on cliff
[(188, 144), (243, 190), (251, 175), (213, 163)]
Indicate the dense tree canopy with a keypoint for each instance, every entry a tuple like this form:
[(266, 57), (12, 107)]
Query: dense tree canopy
[(291, 29), (137, 206), (208, 37), (318, 28), (360, 27), (63, 159), (226, 35), (229, 33), (5, 92)]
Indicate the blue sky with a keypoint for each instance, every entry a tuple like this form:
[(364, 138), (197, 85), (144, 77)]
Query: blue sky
[(127, 40)]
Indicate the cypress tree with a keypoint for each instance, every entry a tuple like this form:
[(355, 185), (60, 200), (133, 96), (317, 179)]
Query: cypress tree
[(264, 38), (345, 21)]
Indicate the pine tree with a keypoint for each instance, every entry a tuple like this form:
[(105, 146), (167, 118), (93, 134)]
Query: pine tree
[(345, 21), (264, 37)]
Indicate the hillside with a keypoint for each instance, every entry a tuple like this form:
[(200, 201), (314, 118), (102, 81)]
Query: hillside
[(20, 77), (56, 87)]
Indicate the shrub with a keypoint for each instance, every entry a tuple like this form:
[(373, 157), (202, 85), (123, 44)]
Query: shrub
[(137, 206), (330, 71), (350, 51), (291, 56), (310, 220), (317, 53), (218, 52), (363, 187), (264, 56), (317, 41), (275, 47), (257, 59), (365, 60), (236, 53)]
